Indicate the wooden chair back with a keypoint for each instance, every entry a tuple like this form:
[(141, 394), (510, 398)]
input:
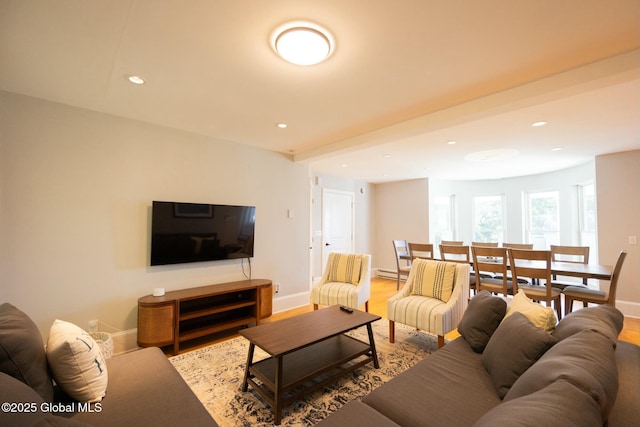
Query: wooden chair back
[(577, 254), (455, 253), (452, 242), (421, 250), (518, 245), (613, 286), (403, 265), (534, 264), (485, 244), (401, 248), (493, 260)]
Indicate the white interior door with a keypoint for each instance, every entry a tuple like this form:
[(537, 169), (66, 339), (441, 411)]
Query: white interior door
[(337, 222)]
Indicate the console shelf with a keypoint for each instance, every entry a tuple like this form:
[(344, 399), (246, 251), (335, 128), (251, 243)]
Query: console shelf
[(186, 314)]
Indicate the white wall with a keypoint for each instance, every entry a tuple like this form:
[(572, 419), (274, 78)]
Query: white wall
[(75, 194), (617, 179), (564, 181), (402, 213), (618, 201)]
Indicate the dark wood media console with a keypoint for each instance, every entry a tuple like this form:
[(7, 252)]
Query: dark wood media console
[(186, 314)]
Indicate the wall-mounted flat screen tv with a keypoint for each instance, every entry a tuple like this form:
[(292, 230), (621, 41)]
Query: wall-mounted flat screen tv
[(195, 232)]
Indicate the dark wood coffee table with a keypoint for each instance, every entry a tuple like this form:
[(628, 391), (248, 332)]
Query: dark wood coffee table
[(307, 352)]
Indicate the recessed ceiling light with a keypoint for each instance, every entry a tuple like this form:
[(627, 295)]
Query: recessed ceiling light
[(136, 80), (556, 149), (451, 142), (302, 43), (282, 125), (386, 156), (344, 165), (538, 124)]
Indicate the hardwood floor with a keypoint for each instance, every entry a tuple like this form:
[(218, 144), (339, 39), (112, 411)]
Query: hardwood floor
[(383, 289)]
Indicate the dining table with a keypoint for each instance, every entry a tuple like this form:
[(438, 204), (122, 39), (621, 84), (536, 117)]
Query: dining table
[(574, 269)]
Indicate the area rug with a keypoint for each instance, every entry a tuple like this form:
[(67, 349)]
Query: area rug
[(215, 375)]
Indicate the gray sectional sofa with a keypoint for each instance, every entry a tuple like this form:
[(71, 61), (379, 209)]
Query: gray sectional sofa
[(143, 387), (512, 373)]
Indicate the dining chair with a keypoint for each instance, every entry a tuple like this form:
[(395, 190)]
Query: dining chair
[(495, 261), (403, 259), (522, 280), (595, 296), (421, 250), (536, 265), (346, 280), (459, 253), (452, 242), (577, 254)]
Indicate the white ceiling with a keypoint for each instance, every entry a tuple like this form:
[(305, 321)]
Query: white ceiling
[(406, 76)]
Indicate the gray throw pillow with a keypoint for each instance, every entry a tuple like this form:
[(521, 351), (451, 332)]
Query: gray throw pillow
[(22, 353), (481, 318), (513, 348)]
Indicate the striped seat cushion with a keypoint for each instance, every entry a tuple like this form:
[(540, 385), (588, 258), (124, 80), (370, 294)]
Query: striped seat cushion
[(344, 268), (433, 279)]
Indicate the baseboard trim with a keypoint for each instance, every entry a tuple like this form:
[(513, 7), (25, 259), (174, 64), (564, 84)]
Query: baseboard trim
[(628, 308), (125, 341), (289, 302)]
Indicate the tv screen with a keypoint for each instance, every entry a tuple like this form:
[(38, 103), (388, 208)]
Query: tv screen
[(195, 232)]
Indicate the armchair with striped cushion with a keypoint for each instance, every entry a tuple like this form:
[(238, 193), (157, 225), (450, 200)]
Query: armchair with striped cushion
[(433, 299), (346, 281)]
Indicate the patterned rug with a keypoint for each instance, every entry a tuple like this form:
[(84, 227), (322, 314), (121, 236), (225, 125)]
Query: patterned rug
[(215, 375)]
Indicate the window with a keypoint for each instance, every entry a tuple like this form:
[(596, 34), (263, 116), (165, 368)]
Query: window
[(588, 217), (488, 219), (442, 219), (543, 219)]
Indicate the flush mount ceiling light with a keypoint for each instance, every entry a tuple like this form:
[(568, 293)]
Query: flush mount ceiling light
[(302, 43), (136, 80)]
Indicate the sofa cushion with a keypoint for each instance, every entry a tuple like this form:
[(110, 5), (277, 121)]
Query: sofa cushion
[(76, 362), (344, 268), (450, 387), (513, 348), (146, 390), (604, 319), (356, 413), (22, 353), (433, 279), (626, 411), (586, 359), (541, 316), (481, 318), (560, 404)]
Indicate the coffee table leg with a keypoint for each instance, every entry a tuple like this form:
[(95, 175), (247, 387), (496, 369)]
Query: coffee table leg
[(277, 395), (372, 343), (245, 383)]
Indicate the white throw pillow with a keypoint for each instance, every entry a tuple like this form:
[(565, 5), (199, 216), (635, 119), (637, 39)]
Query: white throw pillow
[(541, 316), (76, 362)]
